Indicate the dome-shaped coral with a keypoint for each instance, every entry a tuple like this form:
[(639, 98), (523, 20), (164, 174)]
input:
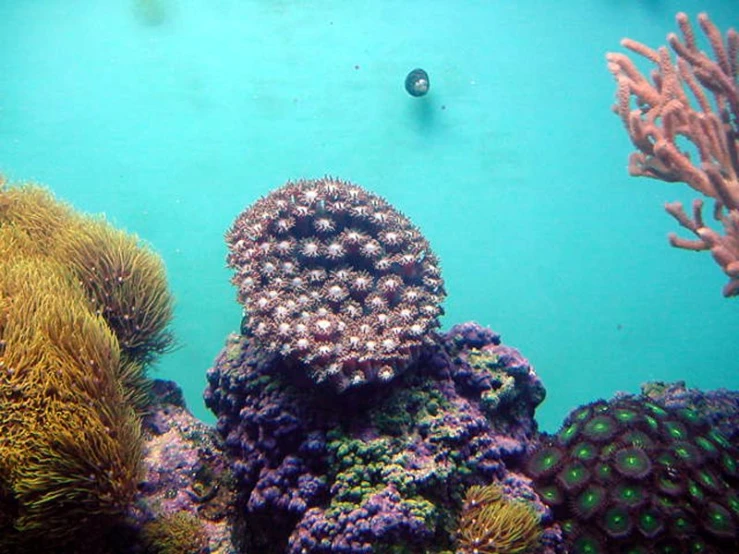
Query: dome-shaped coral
[(333, 277), (633, 475)]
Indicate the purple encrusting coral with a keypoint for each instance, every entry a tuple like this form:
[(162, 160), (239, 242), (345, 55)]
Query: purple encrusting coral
[(382, 468)]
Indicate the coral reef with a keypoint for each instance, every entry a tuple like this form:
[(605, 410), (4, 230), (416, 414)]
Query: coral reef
[(70, 442), (185, 500), (491, 524), (335, 279), (634, 475), (720, 408), (696, 100), (376, 469)]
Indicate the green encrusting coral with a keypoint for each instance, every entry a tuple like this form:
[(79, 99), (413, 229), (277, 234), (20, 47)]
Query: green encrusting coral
[(505, 388), (70, 389)]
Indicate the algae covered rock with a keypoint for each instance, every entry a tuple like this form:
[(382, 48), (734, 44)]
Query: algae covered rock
[(185, 503), (379, 469)]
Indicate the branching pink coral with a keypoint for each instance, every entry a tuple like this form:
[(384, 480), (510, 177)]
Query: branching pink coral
[(334, 278), (696, 98)]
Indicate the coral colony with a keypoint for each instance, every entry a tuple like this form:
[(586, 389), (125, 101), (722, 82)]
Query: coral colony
[(333, 277), (636, 475), (82, 308), (347, 423), (357, 428), (378, 469)]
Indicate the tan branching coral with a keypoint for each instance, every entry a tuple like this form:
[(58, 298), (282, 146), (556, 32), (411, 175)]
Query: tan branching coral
[(334, 278), (696, 99), (490, 523)]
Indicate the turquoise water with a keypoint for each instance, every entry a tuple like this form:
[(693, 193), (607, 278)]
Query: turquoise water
[(171, 116)]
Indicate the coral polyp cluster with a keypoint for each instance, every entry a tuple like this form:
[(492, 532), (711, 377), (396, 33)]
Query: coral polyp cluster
[(69, 442), (333, 277), (492, 524), (124, 280), (635, 475), (178, 533)]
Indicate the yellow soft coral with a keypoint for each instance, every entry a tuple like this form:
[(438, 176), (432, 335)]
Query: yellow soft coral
[(492, 524), (83, 307), (178, 533), (123, 280), (69, 443)]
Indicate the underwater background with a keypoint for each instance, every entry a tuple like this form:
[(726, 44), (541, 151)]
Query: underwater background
[(171, 116)]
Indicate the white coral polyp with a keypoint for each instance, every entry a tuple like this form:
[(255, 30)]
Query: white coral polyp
[(385, 373), (335, 250)]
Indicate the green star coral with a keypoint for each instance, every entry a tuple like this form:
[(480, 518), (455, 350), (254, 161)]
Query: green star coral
[(632, 473)]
